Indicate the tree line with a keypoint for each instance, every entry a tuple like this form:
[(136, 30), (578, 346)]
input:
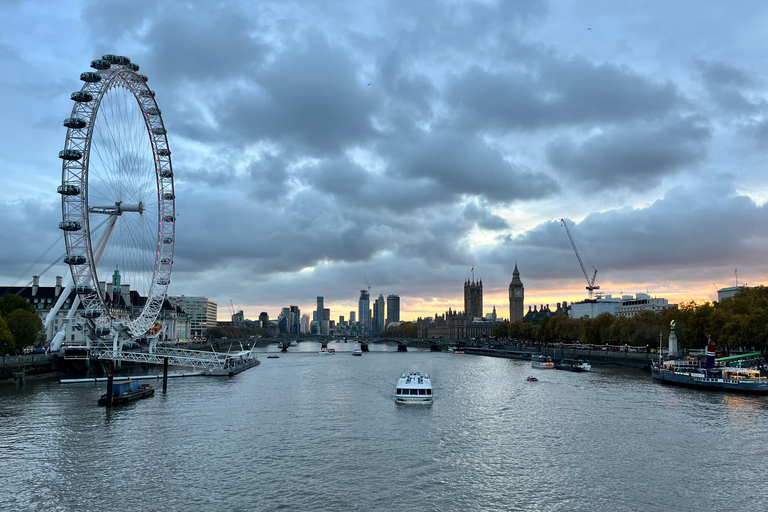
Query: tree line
[(19, 325), (737, 323)]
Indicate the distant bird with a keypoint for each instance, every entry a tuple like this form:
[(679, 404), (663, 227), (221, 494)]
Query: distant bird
[(589, 28), (369, 84)]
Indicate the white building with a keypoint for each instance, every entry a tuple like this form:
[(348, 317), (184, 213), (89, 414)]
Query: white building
[(124, 305), (200, 311), (726, 293), (591, 308), (631, 306)]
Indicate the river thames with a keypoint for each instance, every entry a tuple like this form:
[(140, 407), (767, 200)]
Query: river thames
[(310, 432)]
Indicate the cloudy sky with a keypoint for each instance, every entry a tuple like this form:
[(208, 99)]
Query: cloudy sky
[(319, 144)]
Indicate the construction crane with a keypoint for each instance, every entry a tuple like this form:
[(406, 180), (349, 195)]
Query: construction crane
[(590, 282), (369, 287)]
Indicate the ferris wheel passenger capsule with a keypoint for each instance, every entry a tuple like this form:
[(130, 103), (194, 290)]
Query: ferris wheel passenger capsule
[(74, 259), (70, 154), (81, 96), (75, 123), (68, 190), (70, 225), (90, 77), (100, 64)]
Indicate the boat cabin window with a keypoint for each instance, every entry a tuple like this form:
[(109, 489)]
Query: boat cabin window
[(414, 391), (399, 391), (422, 391), (429, 391)]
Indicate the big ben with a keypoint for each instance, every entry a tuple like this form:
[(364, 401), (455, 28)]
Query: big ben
[(516, 296)]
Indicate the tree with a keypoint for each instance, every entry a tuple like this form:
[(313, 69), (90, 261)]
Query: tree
[(6, 338), (501, 330), (12, 302), (25, 326)]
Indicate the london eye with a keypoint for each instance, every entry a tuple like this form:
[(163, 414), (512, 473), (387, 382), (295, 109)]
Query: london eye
[(117, 200)]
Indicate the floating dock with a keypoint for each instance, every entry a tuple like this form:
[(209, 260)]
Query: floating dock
[(133, 377)]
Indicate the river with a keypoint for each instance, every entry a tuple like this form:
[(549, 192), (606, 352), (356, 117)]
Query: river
[(306, 432)]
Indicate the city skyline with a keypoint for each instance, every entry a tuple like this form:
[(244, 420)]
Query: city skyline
[(317, 152)]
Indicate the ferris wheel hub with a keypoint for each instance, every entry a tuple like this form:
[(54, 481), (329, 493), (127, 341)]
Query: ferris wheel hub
[(118, 209)]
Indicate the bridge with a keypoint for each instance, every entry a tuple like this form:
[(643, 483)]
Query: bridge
[(285, 342)]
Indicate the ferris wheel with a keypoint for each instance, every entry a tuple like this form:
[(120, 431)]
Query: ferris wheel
[(117, 200)]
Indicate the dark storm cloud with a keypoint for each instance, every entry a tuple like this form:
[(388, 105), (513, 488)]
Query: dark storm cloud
[(549, 91), (32, 240), (484, 218), (704, 225), (309, 96), (460, 164), (729, 87), (633, 156)]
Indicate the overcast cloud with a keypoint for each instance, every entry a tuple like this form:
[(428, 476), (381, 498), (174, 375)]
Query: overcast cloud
[(317, 145)]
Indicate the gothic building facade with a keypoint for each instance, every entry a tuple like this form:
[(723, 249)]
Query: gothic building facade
[(473, 298)]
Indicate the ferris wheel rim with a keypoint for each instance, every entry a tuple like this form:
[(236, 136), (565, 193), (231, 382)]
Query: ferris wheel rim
[(111, 72)]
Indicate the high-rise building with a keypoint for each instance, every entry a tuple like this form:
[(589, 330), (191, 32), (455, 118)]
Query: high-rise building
[(378, 314), (201, 311), (320, 317), (473, 298), (294, 320), (264, 320), (393, 309), (351, 317), (304, 324), (516, 297), (364, 310)]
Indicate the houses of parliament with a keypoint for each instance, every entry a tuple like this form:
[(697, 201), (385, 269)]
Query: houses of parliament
[(472, 323)]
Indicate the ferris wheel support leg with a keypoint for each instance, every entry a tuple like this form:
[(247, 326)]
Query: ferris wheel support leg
[(114, 344), (56, 307), (102, 243), (59, 338)]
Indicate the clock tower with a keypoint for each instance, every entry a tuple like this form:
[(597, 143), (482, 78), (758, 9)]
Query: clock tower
[(516, 296)]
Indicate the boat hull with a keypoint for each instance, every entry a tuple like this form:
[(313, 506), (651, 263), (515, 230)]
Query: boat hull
[(128, 397), (685, 379), (229, 372), (414, 400)]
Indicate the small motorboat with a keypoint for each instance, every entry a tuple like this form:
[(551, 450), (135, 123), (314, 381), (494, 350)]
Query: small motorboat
[(532, 379), (273, 357)]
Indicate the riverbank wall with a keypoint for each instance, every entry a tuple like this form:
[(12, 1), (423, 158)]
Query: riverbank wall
[(636, 360), (30, 364)]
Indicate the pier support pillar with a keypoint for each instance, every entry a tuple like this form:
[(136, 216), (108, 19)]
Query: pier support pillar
[(435, 348), (401, 348), (110, 379), (165, 374), (364, 347)]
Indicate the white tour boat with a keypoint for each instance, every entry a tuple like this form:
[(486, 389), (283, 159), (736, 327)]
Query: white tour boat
[(414, 388), (327, 351), (542, 362), (357, 352)]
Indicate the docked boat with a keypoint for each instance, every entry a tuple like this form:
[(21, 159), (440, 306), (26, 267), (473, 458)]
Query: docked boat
[(574, 365), (746, 373), (327, 351), (357, 352), (234, 363), (542, 362), (125, 391), (414, 388)]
